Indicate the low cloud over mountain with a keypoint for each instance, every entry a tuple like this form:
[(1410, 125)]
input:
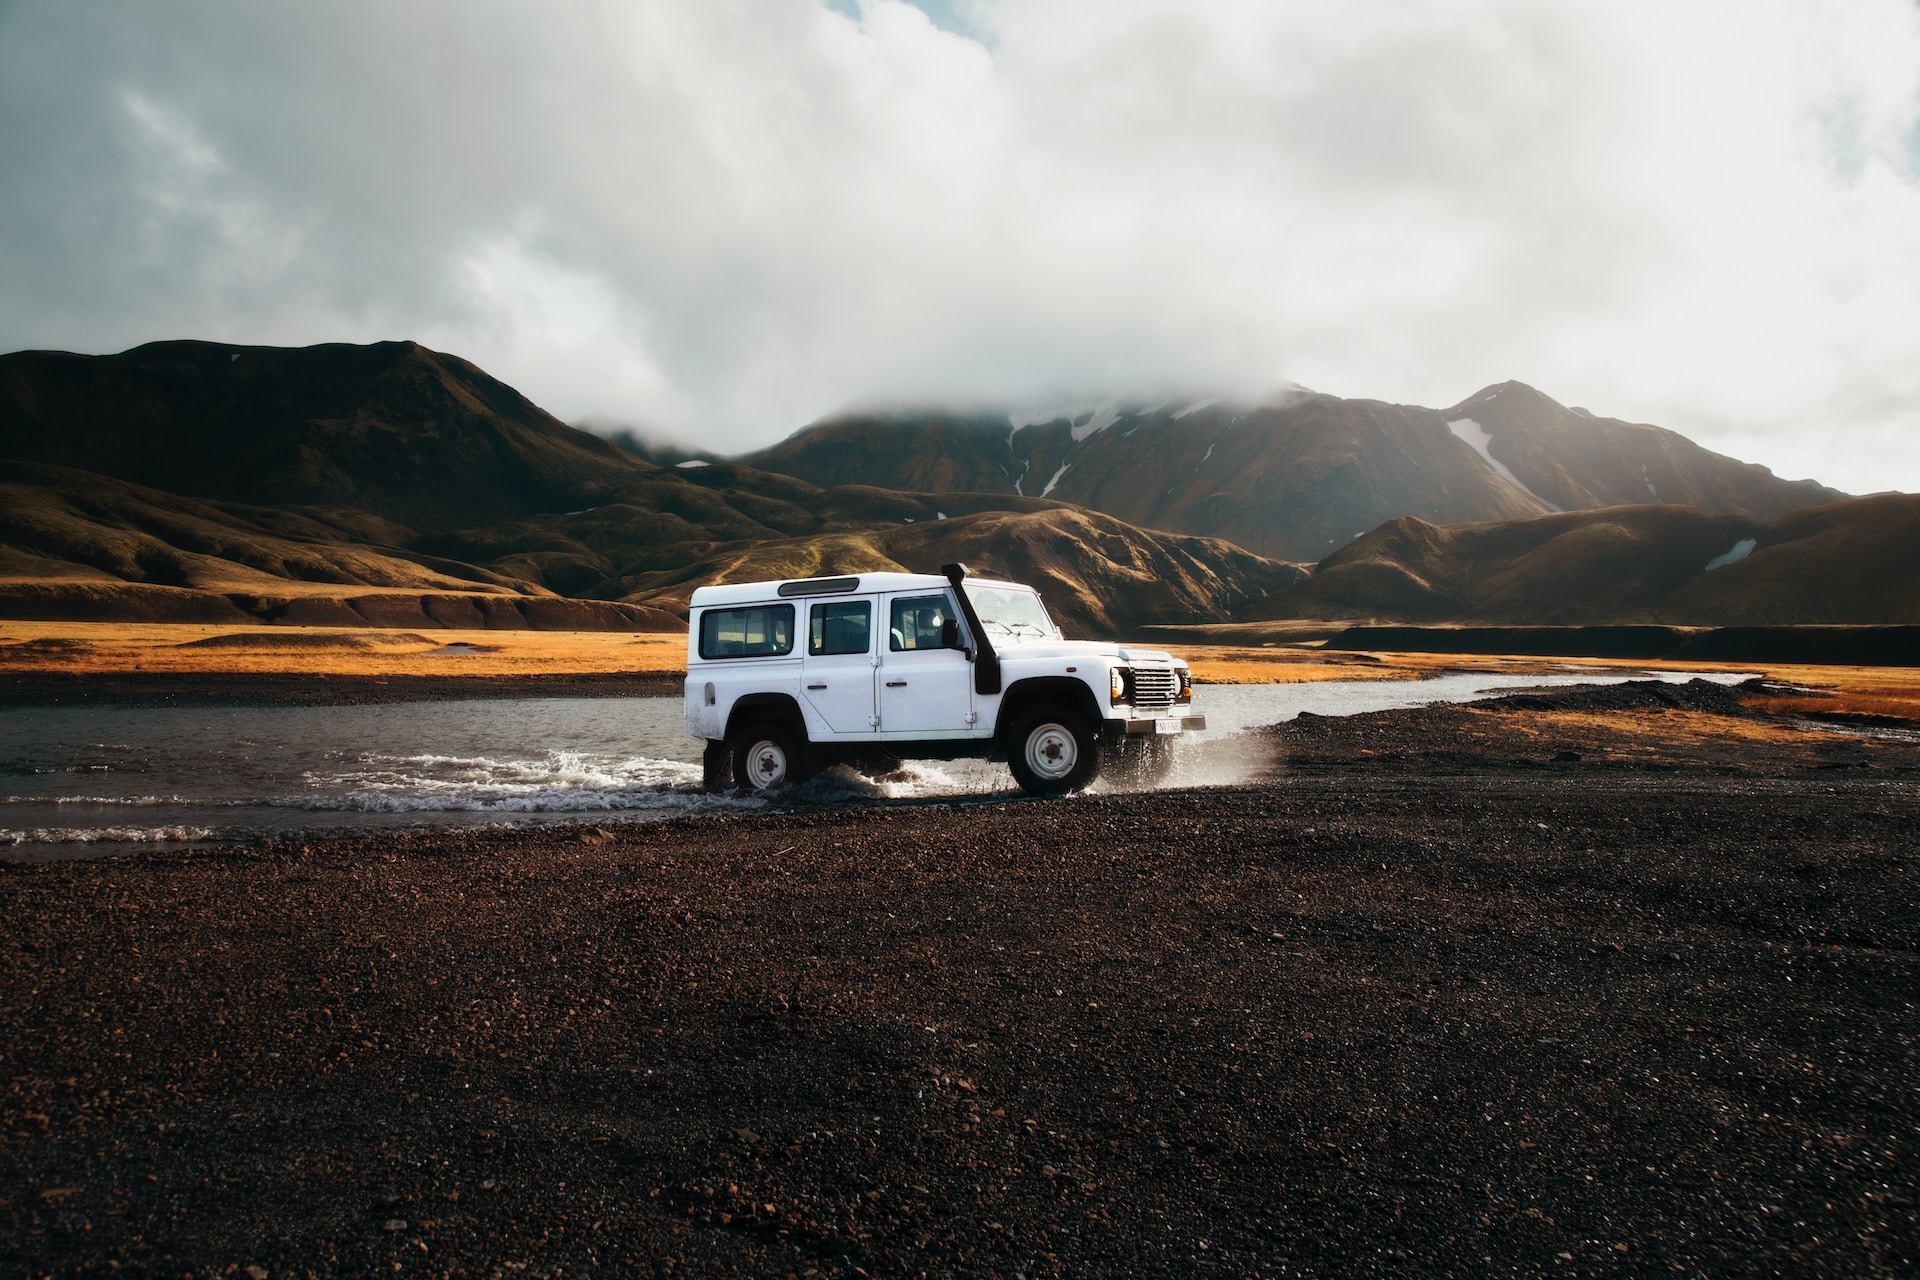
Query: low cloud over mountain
[(1295, 478)]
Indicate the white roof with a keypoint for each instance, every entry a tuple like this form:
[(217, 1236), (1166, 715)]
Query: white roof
[(863, 584)]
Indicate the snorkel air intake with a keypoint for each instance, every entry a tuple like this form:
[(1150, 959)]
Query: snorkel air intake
[(986, 663)]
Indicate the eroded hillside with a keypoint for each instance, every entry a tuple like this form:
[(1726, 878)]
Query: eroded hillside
[(1296, 477)]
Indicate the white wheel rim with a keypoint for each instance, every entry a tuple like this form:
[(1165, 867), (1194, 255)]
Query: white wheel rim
[(766, 764), (1052, 751)]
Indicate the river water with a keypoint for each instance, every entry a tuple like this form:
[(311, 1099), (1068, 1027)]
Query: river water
[(93, 781)]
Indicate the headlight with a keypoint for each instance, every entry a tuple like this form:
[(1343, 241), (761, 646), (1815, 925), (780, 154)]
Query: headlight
[(1186, 685), (1119, 684)]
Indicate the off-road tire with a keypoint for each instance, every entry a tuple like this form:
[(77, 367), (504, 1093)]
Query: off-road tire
[(1053, 751), (766, 758)]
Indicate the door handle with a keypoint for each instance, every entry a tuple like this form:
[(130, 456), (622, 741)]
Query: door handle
[(816, 686), (896, 684)]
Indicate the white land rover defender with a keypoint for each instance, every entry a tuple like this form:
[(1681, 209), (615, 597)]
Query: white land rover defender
[(786, 678)]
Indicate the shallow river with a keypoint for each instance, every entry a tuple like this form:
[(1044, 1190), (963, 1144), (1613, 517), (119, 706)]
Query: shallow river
[(90, 781)]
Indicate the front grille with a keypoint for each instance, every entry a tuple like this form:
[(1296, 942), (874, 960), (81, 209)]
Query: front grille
[(1154, 690)]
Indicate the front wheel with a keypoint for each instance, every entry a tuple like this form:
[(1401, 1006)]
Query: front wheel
[(766, 758), (1053, 752)]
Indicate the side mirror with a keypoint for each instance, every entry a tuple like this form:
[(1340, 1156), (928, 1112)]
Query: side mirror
[(950, 634)]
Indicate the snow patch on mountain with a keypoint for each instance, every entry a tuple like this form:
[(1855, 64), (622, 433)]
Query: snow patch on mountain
[(1056, 479), (1197, 406), (691, 463), (1099, 418), (1083, 419), (1739, 551), (1476, 438)]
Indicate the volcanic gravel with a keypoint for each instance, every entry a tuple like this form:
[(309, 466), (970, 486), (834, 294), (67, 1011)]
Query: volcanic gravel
[(1371, 1015)]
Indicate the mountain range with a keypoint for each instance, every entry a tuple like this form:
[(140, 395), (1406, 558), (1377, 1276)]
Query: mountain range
[(1299, 476), (395, 485), (401, 486)]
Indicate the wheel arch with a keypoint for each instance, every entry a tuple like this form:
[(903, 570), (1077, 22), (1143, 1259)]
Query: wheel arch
[(1023, 695), (780, 708)]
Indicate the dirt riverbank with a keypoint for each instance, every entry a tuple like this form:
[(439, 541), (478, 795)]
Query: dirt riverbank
[(1516, 989)]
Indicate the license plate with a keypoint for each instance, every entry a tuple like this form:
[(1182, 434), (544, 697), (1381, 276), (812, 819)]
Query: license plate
[(1166, 726)]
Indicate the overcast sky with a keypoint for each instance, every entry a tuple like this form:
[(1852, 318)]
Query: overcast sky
[(718, 220)]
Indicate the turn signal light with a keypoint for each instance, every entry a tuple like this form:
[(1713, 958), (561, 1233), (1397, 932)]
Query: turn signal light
[(1119, 684)]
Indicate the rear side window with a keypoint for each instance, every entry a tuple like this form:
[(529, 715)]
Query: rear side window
[(916, 622), (760, 631), (840, 626)]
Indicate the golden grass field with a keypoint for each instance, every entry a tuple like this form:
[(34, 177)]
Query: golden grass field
[(177, 649), (84, 647)]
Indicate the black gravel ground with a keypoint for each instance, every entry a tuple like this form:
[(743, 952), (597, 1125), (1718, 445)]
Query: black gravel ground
[(1373, 1016)]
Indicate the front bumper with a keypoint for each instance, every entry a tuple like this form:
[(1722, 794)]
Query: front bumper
[(1132, 727)]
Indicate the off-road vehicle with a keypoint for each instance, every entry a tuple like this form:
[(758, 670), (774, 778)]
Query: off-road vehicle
[(787, 678)]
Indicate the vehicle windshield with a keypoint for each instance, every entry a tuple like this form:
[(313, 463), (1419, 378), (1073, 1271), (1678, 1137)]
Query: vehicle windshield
[(1013, 611)]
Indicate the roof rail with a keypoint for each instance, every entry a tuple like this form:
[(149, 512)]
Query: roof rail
[(818, 586)]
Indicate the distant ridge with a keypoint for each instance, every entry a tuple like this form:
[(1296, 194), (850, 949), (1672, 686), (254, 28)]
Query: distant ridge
[(1855, 562), (1295, 478), (1575, 461), (392, 429)]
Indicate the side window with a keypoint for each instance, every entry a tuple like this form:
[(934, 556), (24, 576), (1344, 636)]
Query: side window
[(840, 626), (916, 622), (760, 631)]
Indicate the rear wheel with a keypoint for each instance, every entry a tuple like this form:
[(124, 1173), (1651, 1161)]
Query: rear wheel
[(766, 758), (1053, 752)]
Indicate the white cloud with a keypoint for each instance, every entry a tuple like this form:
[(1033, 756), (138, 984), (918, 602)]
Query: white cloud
[(722, 218)]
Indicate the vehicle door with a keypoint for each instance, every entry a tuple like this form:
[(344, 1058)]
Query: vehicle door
[(838, 667), (926, 686)]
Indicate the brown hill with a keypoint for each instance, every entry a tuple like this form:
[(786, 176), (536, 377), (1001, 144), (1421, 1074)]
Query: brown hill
[(1298, 477), (1099, 576), (392, 429), (1855, 562), (619, 548), (75, 545)]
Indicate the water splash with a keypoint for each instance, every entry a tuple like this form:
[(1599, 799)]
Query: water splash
[(550, 782)]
